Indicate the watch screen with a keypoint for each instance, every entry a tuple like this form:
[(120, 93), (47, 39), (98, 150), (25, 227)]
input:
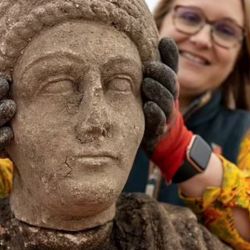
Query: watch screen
[(200, 152)]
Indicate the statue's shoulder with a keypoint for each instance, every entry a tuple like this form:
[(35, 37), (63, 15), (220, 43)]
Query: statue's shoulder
[(141, 220), (140, 223)]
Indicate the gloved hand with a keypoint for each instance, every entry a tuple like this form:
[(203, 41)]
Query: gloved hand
[(7, 111), (160, 93), (166, 137)]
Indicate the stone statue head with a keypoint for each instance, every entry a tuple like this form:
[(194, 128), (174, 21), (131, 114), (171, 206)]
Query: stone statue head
[(76, 67)]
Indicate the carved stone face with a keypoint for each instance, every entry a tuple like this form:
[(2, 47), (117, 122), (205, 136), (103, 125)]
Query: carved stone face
[(78, 126)]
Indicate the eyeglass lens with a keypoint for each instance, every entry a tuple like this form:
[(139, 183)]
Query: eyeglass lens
[(190, 20)]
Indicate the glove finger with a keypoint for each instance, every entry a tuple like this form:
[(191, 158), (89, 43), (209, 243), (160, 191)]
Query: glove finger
[(6, 135), (155, 120), (4, 87), (155, 92), (169, 53), (163, 74), (7, 110), (155, 126)]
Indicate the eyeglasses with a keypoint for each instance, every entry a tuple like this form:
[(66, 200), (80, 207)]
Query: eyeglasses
[(190, 20)]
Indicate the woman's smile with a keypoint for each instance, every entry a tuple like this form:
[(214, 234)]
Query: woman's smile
[(194, 58)]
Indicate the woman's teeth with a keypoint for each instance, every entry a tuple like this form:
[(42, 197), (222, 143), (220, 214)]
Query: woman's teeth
[(195, 59)]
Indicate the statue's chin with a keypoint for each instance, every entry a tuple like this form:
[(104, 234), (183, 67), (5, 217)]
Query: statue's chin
[(82, 199), (73, 215)]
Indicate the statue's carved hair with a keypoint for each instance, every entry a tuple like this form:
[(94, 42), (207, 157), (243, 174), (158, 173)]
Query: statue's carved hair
[(21, 20)]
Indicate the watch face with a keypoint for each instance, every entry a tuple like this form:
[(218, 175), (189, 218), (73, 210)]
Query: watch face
[(199, 153), (198, 156)]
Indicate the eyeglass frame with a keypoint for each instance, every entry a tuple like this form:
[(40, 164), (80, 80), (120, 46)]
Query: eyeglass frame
[(207, 22)]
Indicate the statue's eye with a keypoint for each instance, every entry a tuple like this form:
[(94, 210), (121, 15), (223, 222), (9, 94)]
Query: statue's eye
[(59, 86), (121, 84)]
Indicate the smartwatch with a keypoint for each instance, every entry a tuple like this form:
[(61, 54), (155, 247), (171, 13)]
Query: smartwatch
[(196, 161)]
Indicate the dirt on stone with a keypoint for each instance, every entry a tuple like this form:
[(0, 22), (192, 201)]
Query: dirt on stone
[(141, 223)]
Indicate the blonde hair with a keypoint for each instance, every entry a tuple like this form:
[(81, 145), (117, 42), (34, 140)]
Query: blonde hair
[(237, 85)]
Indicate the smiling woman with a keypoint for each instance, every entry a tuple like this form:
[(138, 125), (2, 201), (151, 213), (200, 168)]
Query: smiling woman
[(226, 27)]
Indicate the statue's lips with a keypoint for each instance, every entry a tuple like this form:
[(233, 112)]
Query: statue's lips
[(92, 160)]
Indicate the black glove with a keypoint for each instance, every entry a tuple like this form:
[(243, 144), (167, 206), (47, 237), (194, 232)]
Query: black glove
[(160, 91), (7, 111)]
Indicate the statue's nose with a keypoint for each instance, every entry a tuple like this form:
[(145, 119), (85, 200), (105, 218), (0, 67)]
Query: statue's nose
[(95, 126), (94, 121)]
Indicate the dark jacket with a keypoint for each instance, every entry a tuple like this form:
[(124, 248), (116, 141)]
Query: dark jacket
[(219, 126)]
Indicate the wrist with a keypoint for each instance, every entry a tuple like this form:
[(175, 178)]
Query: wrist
[(170, 152), (211, 177)]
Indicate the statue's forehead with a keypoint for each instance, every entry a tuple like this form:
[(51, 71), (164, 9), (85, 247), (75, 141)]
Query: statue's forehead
[(88, 41)]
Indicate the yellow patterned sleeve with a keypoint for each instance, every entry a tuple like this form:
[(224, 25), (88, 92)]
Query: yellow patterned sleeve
[(6, 177), (215, 207), (243, 161)]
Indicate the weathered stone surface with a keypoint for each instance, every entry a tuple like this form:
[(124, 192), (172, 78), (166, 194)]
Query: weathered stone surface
[(76, 68), (141, 223), (193, 235)]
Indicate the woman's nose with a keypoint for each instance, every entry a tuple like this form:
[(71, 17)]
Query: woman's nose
[(203, 38), (94, 120)]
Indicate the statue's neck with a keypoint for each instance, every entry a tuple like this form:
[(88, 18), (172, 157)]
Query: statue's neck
[(25, 236), (35, 237)]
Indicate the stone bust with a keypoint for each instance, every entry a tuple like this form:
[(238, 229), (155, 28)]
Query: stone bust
[(76, 68)]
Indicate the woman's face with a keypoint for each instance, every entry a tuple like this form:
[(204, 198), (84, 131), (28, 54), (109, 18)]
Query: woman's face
[(80, 120), (203, 64)]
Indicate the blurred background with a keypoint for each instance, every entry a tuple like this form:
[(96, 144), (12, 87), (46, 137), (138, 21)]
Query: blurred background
[(151, 4)]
